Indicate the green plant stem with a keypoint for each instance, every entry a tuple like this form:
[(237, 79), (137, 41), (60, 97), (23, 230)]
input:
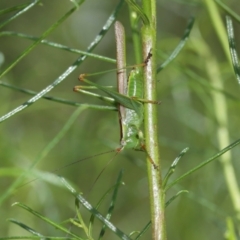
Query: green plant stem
[(136, 38), (220, 105), (218, 26), (220, 108), (157, 194)]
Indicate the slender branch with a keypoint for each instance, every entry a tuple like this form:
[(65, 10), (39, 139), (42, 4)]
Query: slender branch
[(157, 195), (121, 64)]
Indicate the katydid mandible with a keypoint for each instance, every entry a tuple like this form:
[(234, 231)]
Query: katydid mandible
[(129, 97)]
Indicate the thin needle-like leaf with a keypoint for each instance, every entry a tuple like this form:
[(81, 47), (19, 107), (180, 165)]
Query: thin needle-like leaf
[(27, 228), (143, 230), (228, 10), (93, 210), (173, 166), (180, 46), (81, 221), (91, 222), (14, 8), (228, 148), (60, 100), (70, 69), (58, 45), (166, 204), (20, 13), (49, 221), (139, 11), (111, 207), (42, 154), (232, 47), (174, 197), (44, 35)]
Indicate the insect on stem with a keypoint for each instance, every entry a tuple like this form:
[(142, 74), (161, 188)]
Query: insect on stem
[(129, 97)]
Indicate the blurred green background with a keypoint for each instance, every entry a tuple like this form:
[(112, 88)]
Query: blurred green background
[(187, 119)]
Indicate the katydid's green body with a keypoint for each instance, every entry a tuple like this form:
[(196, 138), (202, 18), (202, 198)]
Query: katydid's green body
[(131, 136), (129, 97), (131, 133)]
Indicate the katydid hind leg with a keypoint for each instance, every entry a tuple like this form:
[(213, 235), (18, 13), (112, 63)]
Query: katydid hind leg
[(149, 157), (143, 148)]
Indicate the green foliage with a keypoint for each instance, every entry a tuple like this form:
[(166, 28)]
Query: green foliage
[(54, 127)]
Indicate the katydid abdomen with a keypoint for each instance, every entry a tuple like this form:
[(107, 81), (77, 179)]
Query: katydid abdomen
[(132, 123)]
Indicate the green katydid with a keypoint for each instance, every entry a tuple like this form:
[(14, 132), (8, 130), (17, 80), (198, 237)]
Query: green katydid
[(129, 97), (123, 79)]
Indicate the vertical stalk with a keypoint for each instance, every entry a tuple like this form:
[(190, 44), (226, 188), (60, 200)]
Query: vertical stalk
[(218, 26), (136, 36), (222, 133), (220, 107), (121, 64), (157, 194)]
